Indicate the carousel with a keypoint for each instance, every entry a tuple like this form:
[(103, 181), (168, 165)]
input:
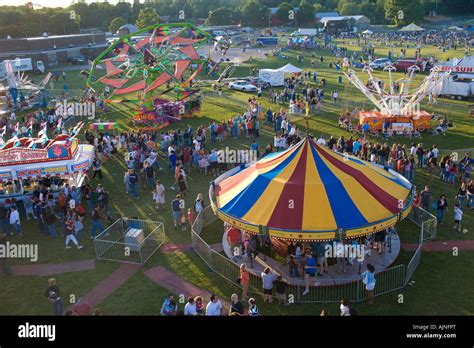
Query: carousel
[(309, 193)]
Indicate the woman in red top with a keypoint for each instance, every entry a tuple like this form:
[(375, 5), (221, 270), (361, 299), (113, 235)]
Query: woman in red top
[(416, 205), (244, 280)]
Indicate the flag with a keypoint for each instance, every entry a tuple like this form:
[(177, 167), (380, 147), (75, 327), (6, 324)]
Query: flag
[(30, 128), (3, 130), (17, 127), (43, 133)]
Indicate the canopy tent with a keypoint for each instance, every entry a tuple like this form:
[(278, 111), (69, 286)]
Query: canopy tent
[(290, 69), (412, 27), (309, 192), (455, 28), (367, 32)]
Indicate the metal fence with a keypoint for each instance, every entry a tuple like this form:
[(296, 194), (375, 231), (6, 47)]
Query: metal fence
[(113, 244), (325, 290), (426, 221)]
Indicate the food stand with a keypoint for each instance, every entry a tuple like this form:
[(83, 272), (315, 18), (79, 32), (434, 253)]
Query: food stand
[(56, 162)]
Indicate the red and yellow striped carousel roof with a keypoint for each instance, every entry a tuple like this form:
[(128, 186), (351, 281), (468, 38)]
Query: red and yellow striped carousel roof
[(309, 192)]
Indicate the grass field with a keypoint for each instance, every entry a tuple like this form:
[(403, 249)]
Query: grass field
[(441, 278)]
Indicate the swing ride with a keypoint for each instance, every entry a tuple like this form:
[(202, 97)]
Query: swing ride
[(397, 105), (153, 77), (20, 92)]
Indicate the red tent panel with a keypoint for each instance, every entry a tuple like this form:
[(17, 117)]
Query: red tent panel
[(143, 42), (117, 83), (137, 86), (184, 41), (190, 52), (181, 65), (160, 39), (163, 78), (111, 68)]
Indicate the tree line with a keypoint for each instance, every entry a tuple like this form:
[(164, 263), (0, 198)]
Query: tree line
[(21, 21)]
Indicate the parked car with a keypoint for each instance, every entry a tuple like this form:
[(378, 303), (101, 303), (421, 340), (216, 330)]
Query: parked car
[(243, 86), (258, 82), (77, 61), (380, 63)]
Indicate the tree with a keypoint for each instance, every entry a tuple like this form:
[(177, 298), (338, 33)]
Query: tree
[(255, 14), (349, 9), (147, 17), (402, 12), (221, 16), (116, 23), (283, 12), (306, 13)]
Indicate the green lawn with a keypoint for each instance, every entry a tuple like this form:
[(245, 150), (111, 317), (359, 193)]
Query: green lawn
[(441, 278)]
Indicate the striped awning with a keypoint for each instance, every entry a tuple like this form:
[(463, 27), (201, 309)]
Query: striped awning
[(309, 192)]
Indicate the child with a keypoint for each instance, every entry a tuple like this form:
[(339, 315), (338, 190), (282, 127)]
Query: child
[(199, 305), (190, 216), (457, 217), (156, 199), (280, 286), (183, 222)]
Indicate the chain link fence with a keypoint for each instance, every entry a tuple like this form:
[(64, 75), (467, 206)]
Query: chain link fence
[(129, 240)]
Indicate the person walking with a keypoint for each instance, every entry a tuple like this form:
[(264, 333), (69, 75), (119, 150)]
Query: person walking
[(441, 206), (253, 309), (214, 307), (96, 223), (96, 169), (244, 280), (368, 278), (236, 307), (426, 198), (69, 229), (15, 220), (309, 270), (268, 277), (133, 180), (178, 209)]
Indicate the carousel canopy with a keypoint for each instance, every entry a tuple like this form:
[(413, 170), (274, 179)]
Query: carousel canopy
[(309, 192)]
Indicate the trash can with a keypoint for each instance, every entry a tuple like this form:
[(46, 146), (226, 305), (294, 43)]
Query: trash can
[(339, 79)]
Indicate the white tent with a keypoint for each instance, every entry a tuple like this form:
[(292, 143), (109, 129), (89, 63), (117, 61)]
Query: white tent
[(456, 28), (412, 27), (290, 69), (276, 77), (368, 32)]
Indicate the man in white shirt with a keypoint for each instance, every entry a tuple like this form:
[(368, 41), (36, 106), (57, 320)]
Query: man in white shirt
[(321, 141), (214, 307), (413, 150), (12, 117), (434, 152), (190, 308), (15, 220), (170, 150)]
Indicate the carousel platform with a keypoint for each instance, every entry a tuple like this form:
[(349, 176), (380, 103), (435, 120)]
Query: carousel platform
[(337, 274)]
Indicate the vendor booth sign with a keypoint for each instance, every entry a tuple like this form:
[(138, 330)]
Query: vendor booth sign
[(17, 156)]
